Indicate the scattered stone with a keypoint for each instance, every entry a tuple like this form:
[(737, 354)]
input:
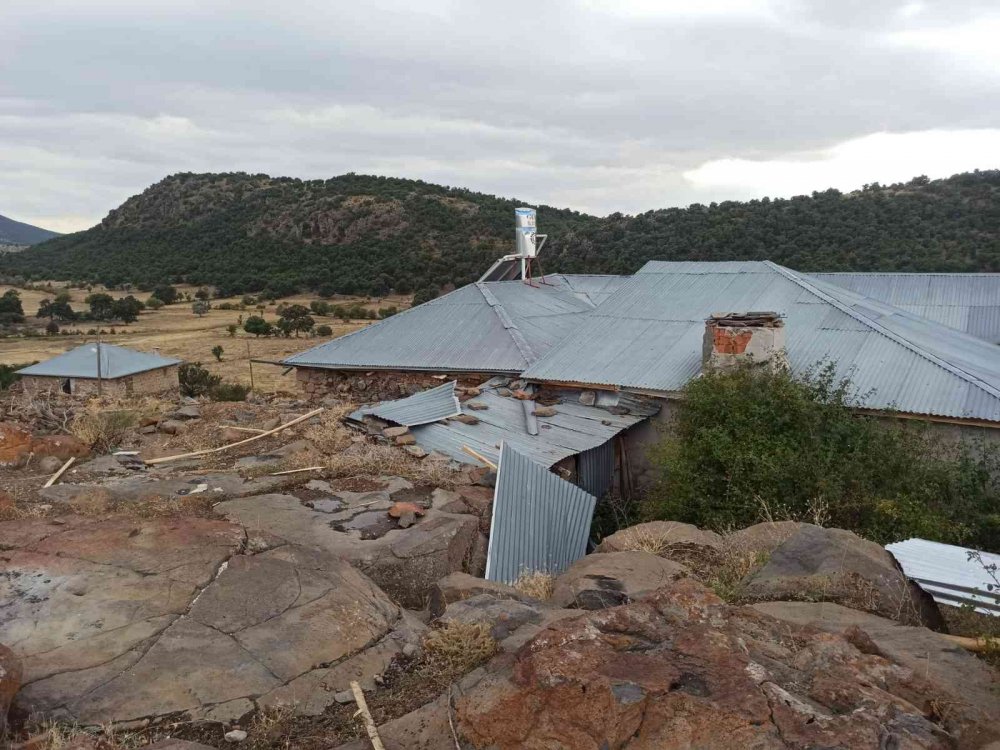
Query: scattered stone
[(63, 447), (505, 392), (503, 616), (399, 509), (172, 427), (235, 735), (344, 696), (476, 405), (415, 450), (588, 398), (15, 445), (148, 429), (618, 410), (393, 432), (465, 419), (488, 479), (232, 435), (405, 440), (407, 519), (49, 465), (411, 650), (612, 579), (544, 411), (457, 587), (189, 411), (817, 564)]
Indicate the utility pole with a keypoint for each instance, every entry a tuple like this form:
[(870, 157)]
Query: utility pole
[(250, 362)]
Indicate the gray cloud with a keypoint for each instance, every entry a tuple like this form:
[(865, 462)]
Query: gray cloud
[(601, 106)]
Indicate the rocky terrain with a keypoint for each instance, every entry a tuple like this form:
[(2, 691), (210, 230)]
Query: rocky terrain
[(216, 602)]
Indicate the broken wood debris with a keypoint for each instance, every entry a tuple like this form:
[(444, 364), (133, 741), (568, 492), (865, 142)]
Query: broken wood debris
[(62, 469), (206, 451), (479, 457), (365, 714)]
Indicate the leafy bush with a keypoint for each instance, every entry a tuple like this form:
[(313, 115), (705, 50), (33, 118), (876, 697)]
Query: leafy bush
[(104, 430), (217, 352), (229, 392), (324, 331), (195, 380), (750, 444), (7, 374), (154, 303)]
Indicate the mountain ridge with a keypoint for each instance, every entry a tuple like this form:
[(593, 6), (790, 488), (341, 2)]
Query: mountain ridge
[(369, 234), (14, 232)]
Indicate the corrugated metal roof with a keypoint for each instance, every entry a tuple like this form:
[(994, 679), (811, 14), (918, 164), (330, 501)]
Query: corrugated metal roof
[(648, 335), (574, 428), (485, 327), (420, 408), (946, 573), (969, 302), (540, 522), (81, 362)]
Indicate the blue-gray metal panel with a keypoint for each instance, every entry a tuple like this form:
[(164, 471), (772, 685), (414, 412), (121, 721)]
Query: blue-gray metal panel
[(946, 573), (540, 522), (648, 335), (595, 469), (116, 362), (421, 408)]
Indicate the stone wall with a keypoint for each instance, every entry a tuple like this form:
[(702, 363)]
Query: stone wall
[(150, 382), (374, 385)]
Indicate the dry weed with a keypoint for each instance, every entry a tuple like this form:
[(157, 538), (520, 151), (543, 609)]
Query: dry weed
[(735, 565), (99, 504), (535, 583), (271, 728), (103, 430), (366, 459), (457, 648), (52, 735), (638, 539)]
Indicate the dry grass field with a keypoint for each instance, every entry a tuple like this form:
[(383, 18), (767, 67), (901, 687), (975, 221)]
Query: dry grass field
[(176, 331)]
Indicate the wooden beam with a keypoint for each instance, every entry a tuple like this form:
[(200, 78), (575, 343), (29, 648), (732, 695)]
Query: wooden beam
[(206, 451), (62, 470), (479, 457), (359, 698)]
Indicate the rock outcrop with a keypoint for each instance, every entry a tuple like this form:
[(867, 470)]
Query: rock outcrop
[(126, 619), (681, 669), (356, 526), (696, 548), (614, 578), (817, 564)]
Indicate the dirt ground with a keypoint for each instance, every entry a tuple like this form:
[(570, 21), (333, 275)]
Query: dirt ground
[(177, 332)]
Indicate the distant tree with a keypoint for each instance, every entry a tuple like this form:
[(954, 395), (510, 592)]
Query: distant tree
[(195, 380), (320, 307), (293, 311), (154, 303), (203, 293), (387, 312), (57, 308), (217, 352), (285, 326), (424, 295), (257, 326), (200, 307), (232, 328), (52, 328), (324, 331), (126, 309), (326, 290), (165, 293), (101, 305)]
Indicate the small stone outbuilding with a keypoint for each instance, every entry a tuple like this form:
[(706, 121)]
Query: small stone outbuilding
[(112, 370)]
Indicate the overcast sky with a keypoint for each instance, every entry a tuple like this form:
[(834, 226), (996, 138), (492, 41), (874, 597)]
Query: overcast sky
[(624, 105)]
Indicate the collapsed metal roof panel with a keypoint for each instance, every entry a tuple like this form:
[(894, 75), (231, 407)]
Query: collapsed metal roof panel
[(957, 300), (648, 335), (574, 428), (540, 522), (116, 362), (946, 573), (420, 408)]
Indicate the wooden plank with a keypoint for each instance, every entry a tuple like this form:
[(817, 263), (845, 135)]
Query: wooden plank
[(479, 457), (62, 470), (296, 471), (206, 451), (359, 698)]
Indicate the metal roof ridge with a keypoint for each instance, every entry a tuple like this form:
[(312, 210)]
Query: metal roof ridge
[(508, 323), (879, 328)]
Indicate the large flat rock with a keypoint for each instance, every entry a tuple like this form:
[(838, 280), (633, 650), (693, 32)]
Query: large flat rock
[(406, 563), (125, 619)]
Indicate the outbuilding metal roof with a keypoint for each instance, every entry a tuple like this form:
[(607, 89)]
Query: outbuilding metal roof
[(969, 302), (500, 326), (648, 335), (420, 408), (81, 362), (574, 428), (540, 522), (946, 573)]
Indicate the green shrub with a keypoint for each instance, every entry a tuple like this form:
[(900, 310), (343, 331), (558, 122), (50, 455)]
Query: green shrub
[(229, 392), (324, 331), (7, 374), (195, 380), (752, 444)]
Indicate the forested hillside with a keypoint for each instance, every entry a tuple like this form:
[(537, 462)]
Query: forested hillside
[(361, 234)]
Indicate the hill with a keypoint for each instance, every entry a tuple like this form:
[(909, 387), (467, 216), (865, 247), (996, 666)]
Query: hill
[(18, 233), (363, 234)]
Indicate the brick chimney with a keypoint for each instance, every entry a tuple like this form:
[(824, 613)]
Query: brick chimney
[(732, 339)]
